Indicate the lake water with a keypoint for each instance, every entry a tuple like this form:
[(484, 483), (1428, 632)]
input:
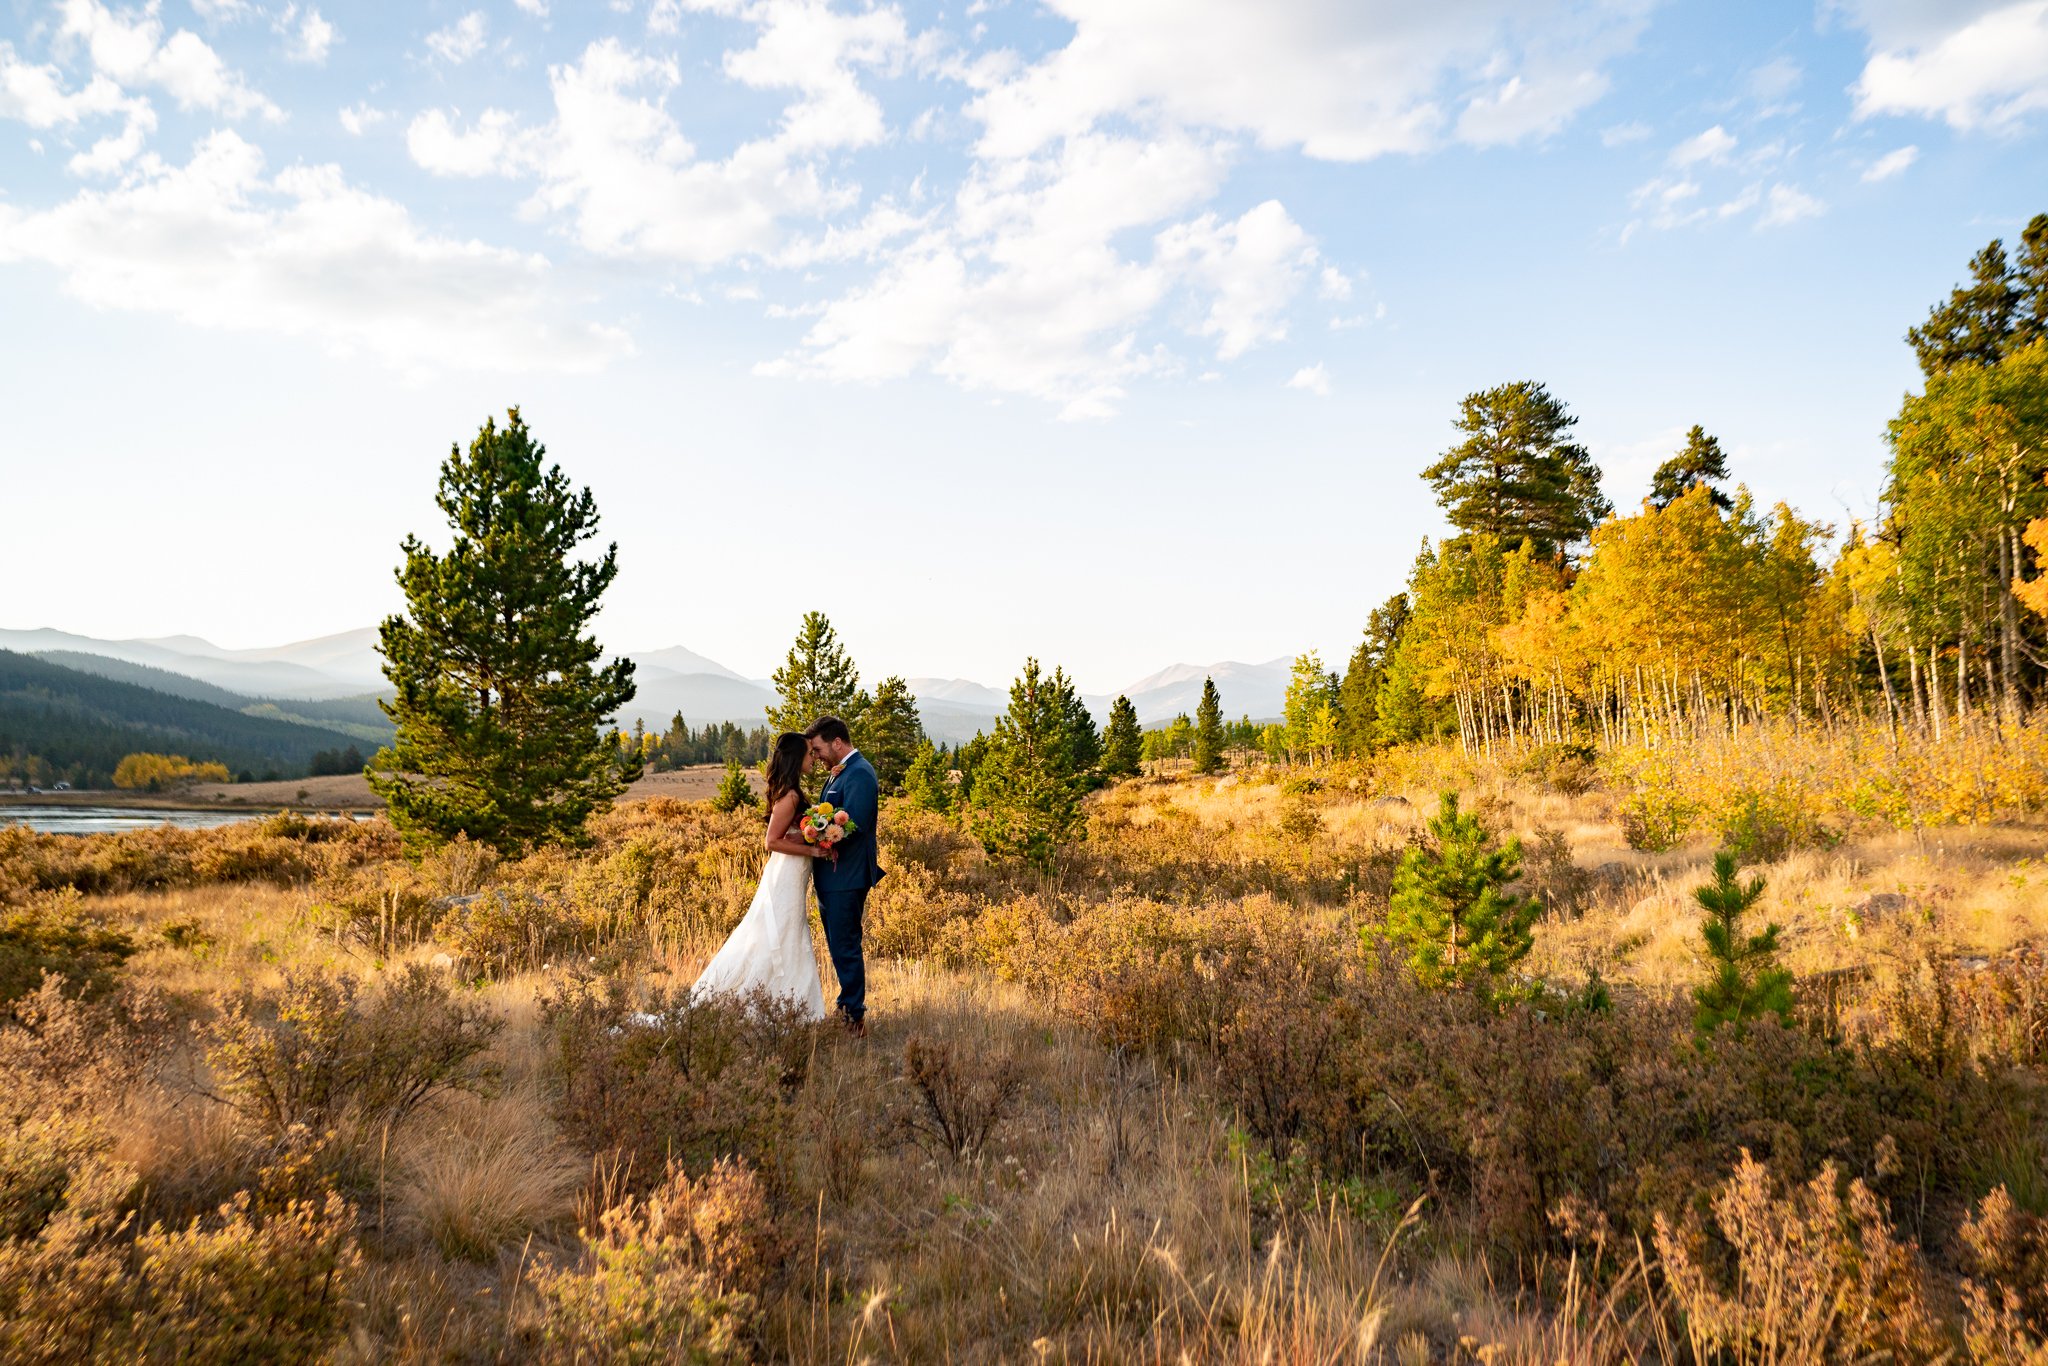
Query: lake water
[(98, 820)]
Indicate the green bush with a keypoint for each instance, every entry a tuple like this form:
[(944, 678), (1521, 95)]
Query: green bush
[(1656, 821), (1562, 766), (51, 933), (735, 792)]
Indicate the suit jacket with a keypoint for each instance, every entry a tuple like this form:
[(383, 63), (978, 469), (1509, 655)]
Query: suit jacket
[(857, 791)]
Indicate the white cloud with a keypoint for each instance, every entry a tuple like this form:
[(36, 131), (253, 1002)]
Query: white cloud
[(223, 11), (1022, 289), (1621, 134), (816, 50), (1971, 63), (1789, 204), (1527, 107), (461, 40), (1251, 270), (35, 94), (313, 38), (438, 146), (1314, 379), (357, 119), (537, 8), (614, 162), (109, 154), (1892, 163), (1712, 146), (219, 244), (130, 48), (1334, 284), (1340, 81), (1776, 79)]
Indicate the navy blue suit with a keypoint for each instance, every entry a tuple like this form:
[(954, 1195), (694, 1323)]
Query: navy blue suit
[(843, 883)]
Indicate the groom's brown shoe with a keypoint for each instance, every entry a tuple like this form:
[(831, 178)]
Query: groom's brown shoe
[(857, 1028)]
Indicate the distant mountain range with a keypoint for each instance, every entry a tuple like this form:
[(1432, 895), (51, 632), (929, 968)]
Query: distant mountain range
[(330, 682), (80, 723)]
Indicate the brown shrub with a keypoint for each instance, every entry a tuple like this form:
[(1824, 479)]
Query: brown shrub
[(284, 849), (52, 934), (2005, 1252), (677, 1078), (1809, 1275), (960, 1100), (677, 1275), (264, 1278), (322, 1054)]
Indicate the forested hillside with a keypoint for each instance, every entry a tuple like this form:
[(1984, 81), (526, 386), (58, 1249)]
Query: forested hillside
[(61, 724)]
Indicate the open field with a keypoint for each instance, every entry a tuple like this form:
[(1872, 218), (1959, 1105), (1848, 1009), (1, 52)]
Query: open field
[(1175, 1102), (342, 792)]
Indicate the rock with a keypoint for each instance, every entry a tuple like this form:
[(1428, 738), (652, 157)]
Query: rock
[(441, 962), (1388, 801), (1881, 906)]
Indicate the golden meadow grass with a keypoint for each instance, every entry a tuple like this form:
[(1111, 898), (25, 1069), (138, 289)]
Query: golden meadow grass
[(1216, 1129)]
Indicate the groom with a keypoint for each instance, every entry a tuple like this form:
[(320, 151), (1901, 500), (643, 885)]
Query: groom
[(843, 882)]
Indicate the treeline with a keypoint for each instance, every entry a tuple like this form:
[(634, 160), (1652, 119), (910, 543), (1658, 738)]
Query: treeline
[(1548, 617), (719, 742), (61, 725)]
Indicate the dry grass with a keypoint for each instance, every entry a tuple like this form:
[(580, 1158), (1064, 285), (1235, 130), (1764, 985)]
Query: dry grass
[(1117, 1209)]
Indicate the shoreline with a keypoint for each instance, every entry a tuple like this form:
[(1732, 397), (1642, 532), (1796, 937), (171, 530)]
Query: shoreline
[(348, 793)]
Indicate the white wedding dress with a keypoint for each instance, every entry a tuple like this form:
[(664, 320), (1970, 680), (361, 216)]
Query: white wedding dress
[(770, 949)]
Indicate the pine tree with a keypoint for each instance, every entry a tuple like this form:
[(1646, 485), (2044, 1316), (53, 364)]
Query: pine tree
[(500, 702), (1026, 799), (1973, 327), (1699, 461), (891, 732), (735, 791), (1450, 907), (1123, 746), (1209, 730), (1746, 981), (926, 785), (1517, 475), (818, 679), (1178, 739), (1084, 743)]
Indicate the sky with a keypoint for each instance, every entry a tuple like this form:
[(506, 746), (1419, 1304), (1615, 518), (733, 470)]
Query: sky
[(1110, 332)]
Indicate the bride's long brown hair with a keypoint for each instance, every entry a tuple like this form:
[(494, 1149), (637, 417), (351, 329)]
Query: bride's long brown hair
[(786, 767)]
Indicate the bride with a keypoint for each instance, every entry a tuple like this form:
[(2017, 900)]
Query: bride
[(770, 950)]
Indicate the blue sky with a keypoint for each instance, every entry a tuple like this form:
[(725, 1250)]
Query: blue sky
[(1109, 331)]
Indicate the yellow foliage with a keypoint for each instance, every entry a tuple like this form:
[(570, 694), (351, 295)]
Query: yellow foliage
[(156, 772), (2033, 593)]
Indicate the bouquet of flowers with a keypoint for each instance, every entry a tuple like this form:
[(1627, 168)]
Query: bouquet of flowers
[(824, 825)]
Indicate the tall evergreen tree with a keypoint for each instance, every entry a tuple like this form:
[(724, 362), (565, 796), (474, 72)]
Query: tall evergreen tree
[(1518, 474), (1123, 745), (1699, 461), (1084, 743), (500, 702), (818, 678), (891, 732), (1209, 730), (2002, 309), (1027, 790), (1746, 981), (926, 785)]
